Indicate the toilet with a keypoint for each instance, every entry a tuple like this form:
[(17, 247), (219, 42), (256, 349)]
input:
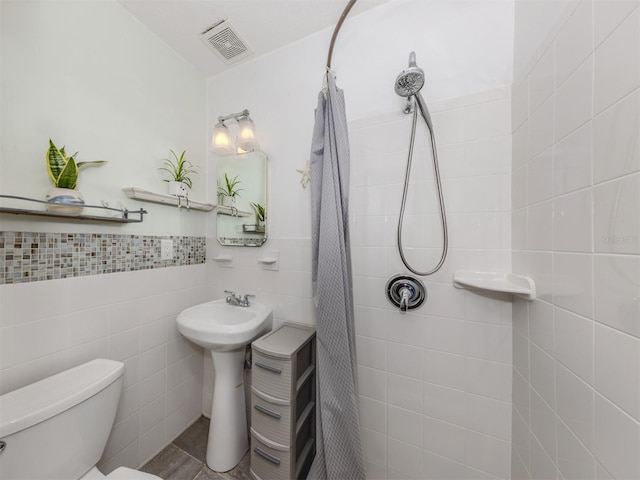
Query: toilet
[(57, 428)]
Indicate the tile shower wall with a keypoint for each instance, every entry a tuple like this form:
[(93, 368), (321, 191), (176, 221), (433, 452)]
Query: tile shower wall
[(35, 256), (49, 326), (576, 217), (435, 384)]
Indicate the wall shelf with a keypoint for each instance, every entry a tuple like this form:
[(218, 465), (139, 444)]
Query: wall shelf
[(232, 211), (496, 282), (111, 215), (166, 199)]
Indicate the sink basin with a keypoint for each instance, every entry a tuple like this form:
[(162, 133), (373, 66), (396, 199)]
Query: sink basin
[(222, 327), (225, 330)]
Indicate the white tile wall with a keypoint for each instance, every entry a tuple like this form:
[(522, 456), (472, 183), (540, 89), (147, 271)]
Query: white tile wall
[(49, 326), (576, 378), (435, 384)]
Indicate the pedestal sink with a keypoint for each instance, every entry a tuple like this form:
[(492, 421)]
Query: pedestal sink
[(225, 330)]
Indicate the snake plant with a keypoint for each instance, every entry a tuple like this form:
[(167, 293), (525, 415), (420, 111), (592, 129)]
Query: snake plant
[(63, 170), (260, 211)]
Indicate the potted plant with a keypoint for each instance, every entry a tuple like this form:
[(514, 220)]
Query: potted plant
[(63, 171), (228, 190), (179, 170), (260, 216)]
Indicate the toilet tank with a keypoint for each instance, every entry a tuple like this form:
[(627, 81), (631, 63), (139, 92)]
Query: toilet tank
[(57, 428)]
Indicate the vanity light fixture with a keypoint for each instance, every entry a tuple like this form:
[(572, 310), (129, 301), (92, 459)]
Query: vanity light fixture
[(245, 141)]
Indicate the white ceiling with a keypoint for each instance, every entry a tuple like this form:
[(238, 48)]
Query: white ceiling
[(265, 25)]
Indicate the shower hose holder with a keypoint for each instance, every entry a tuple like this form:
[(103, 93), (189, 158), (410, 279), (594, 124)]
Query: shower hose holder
[(406, 292)]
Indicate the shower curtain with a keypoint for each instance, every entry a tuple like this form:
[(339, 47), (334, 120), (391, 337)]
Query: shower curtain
[(339, 453)]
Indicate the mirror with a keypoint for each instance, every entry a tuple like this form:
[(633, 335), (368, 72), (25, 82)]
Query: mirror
[(242, 199)]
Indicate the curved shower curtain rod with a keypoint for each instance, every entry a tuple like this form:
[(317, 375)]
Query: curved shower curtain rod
[(337, 29)]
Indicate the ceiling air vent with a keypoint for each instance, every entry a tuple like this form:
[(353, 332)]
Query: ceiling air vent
[(226, 43)]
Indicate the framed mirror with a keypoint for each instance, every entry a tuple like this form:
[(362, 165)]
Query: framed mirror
[(242, 200)]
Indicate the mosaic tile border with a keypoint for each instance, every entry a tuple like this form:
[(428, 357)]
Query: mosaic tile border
[(33, 257)]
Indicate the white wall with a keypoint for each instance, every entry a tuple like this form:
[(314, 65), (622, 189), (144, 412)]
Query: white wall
[(576, 215), (88, 75), (466, 51)]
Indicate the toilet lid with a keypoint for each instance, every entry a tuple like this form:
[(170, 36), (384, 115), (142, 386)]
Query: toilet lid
[(124, 473)]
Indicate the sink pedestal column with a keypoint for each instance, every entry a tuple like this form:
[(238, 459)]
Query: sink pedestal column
[(228, 440)]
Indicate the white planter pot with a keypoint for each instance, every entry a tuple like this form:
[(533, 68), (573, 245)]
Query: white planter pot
[(228, 201), (65, 200), (178, 189)]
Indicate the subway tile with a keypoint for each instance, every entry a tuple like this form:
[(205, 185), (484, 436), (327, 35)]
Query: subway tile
[(574, 343), (405, 426), (374, 446), (373, 414), (543, 424), (404, 458), (608, 15), (488, 454), (574, 42), (617, 440), (436, 467), (489, 379), (541, 331), (404, 392), (540, 177), (444, 369), (88, 325), (617, 368), (616, 215), (575, 462), (444, 438), (572, 160), (371, 352), (540, 226), (575, 404), (617, 64), (615, 292), (573, 281), (520, 103), (573, 100), (616, 149), (40, 338), (404, 360), (541, 135), (572, 222), (542, 79), (542, 374)]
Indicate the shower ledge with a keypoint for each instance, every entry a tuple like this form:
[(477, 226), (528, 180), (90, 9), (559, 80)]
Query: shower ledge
[(496, 282)]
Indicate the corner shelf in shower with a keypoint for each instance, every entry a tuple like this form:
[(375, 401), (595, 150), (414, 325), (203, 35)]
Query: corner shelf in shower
[(166, 199), (496, 282)]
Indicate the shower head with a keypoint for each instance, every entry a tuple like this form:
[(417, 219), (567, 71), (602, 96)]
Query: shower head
[(411, 80)]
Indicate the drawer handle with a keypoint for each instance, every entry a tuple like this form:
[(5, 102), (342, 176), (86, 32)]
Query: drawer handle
[(261, 409), (269, 368), (267, 456)]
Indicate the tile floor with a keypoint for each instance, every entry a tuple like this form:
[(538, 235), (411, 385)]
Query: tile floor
[(184, 458)]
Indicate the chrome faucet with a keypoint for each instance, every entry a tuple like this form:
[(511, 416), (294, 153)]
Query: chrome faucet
[(239, 301)]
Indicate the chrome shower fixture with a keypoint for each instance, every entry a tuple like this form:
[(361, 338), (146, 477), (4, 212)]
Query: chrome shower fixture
[(408, 85), (411, 79), (406, 292)]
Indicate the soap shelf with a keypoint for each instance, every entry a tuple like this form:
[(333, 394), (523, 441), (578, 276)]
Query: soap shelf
[(496, 282), (166, 199), (113, 215)]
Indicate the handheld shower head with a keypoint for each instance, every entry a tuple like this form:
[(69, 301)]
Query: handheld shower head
[(411, 79)]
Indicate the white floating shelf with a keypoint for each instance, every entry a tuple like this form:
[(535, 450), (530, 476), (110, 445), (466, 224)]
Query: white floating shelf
[(166, 199), (496, 282), (222, 258)]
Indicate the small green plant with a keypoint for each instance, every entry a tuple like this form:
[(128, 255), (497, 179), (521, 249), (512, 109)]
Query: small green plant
[(260, 211), (62, 169), (179, 169), (230, 187)]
